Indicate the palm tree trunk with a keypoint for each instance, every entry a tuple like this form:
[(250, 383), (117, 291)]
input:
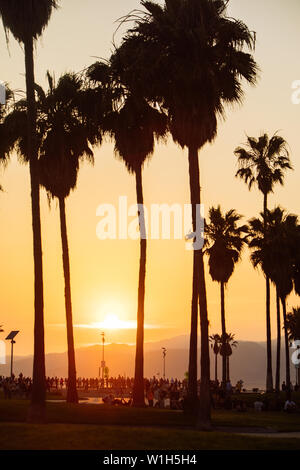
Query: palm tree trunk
[(287, 351), (204, 415), (278, 353), (216, 368), (204, 420), (192, 376), (269, 381), (72, 396), (37, 409), (223, 333), (227, 369), (138, 388)]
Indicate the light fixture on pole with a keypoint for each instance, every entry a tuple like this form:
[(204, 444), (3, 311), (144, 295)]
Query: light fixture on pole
[(103, 361), (164, 361), (11, 337)]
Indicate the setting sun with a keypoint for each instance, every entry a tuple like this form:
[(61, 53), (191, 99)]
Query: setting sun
[(112, 322)]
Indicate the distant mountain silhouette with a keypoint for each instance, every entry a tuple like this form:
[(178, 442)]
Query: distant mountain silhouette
[(248, 361)]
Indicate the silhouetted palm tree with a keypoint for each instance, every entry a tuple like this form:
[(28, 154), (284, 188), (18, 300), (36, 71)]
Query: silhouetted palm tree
[(275, 253), (293, 329), (215, 345), (296, 271), (262, 163), (26, 20), (64, 143), (293, 324), (228, 342), (188, 56), (225, 239), (134, 126), (4, 143), (61, 141)]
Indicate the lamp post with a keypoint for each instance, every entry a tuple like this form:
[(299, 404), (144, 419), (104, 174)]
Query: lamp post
[(11, 337), (164, 361), (103, 361)]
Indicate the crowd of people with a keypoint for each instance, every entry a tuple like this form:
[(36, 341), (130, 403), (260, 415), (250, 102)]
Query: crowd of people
[(16, 386), (159, 393), (84, 383)]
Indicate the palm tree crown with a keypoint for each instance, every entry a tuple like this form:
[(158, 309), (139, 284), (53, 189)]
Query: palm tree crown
[(126, 116), (26, 18), (63, 135), (4, 131), (276, 253), (188, 56), (225, 243), (263, 162), (293, 324)]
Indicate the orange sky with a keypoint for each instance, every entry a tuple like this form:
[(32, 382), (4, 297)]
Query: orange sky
[(104, 273)]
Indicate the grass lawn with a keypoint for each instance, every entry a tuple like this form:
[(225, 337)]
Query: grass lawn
[(94, 437), (88, 426), (16, 410)]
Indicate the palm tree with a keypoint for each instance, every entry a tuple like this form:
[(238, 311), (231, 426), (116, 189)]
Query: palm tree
[(228, 342), (133, 125), (293, 329), (276, 256), (4, 139), (64, 142), (296, 272), (293, 324), (263, 163), (26, 20), (225, 241), (61, 141), (188, 57), (215, 345)]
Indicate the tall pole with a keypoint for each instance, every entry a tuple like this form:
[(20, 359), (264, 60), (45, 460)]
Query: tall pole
[(164, 361), (102, 364), (11, 337), (11, 357)]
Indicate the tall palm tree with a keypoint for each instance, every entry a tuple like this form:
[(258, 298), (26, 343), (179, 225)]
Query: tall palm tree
[(134, 126), (62, 139), (189, 57), (276, 256), (26, 20), (225, 239), (262, 163), (64, 142), (293, 329), (215, 345), (228, 342)]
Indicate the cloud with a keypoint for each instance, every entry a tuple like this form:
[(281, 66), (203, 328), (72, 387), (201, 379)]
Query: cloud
[(110, 324)]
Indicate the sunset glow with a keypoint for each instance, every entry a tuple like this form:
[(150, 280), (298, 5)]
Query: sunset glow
[(112, 322)]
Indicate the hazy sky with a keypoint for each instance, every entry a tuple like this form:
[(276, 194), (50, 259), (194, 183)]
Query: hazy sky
[(104, 273)]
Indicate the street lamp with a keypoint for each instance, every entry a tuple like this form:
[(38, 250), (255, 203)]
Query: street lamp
[(103, 361), (11, 337), (164, 361)]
